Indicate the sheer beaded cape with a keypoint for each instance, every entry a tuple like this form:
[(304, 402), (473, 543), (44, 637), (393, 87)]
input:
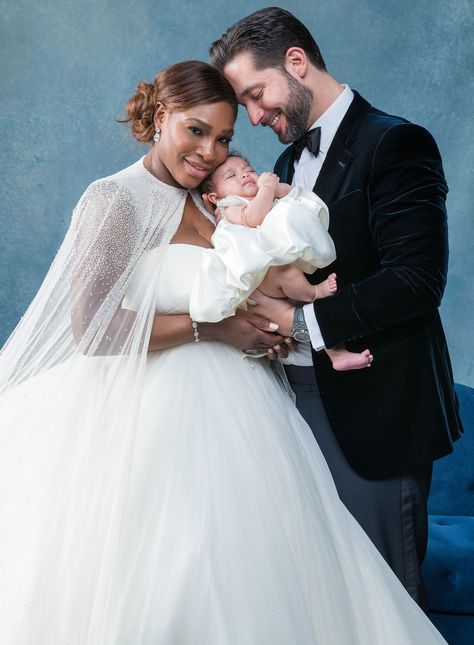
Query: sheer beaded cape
[(78, 307), (77, 326)]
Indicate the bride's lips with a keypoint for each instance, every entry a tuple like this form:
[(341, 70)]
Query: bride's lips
[(197, 170)]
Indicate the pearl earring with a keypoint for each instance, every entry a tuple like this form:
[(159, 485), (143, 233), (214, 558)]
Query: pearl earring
[(157, 136)]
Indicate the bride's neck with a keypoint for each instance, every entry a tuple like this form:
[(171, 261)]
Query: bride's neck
[(156, 167)]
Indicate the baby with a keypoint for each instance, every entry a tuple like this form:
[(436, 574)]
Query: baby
[(242, 197)]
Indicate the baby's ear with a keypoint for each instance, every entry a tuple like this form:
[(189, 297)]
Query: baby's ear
[(210, 206), (212, 197)]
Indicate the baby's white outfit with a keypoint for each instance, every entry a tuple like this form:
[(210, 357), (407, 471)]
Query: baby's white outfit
[(295, 231)]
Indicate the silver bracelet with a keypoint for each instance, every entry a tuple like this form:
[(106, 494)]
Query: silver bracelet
[(195, 331)]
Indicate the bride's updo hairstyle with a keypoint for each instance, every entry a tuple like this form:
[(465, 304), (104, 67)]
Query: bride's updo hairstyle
[(176, 88)]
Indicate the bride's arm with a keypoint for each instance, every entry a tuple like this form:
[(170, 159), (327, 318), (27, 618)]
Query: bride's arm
[(245, 330), (109, 240)]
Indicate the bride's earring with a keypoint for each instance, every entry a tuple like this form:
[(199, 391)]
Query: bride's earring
[(157, 135)]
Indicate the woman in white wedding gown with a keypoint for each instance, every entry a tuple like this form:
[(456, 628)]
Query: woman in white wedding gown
[(156, 490)]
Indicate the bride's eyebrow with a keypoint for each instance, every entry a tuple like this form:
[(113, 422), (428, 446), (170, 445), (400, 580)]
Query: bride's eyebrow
[(203, 124), (207, 127)]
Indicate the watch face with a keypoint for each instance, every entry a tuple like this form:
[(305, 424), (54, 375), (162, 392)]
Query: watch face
[(300, 331), (301, 336)]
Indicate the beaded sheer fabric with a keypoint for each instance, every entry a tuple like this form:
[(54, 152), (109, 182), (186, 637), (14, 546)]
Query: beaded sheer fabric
[(78, 309), (79, 352)]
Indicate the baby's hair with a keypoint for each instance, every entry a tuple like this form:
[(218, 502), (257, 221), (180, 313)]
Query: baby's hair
[(207, 185)]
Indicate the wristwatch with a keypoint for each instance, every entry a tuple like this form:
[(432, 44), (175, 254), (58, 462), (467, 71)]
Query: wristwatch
[(300, 331)]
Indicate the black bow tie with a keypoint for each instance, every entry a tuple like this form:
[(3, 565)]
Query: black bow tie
[(310, 140)]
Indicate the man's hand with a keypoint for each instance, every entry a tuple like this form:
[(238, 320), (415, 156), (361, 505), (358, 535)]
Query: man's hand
[(278, 310), (245, 330)]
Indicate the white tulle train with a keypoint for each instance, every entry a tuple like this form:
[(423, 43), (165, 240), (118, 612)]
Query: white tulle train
[(216, 522)]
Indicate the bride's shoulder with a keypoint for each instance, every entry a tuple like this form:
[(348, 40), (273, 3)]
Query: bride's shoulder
[(125, 177), (119, 185), (103, 193), (110, 199)]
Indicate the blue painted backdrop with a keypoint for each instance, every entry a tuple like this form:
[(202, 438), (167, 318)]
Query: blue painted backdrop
[(67, 69)]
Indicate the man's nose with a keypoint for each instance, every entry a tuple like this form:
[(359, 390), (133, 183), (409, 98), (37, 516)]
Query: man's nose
[(255, 114)]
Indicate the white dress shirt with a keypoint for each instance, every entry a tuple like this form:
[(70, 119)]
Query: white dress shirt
[(306, 173)]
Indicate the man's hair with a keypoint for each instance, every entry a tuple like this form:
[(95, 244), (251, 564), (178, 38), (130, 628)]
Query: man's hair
[(266, 34)]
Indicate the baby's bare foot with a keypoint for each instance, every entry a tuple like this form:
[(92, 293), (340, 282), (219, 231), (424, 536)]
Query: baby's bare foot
[(343, 360), (326, 288)]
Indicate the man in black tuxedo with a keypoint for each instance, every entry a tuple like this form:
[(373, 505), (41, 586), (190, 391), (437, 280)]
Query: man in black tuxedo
[(383, 181)]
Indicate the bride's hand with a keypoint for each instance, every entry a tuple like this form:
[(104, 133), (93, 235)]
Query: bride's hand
[(277, 309), (245, 330), (281, 351)]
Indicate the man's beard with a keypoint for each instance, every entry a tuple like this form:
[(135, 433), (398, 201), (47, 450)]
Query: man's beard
[(297, 110)]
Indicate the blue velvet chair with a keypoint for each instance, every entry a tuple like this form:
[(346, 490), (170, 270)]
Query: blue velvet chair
[(448, 569)]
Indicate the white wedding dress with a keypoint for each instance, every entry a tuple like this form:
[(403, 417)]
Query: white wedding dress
[(215, 522), (233, 533)]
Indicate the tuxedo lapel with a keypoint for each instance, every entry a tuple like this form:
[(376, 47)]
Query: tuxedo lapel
[(334, 169), (284, 166), (339, 158)]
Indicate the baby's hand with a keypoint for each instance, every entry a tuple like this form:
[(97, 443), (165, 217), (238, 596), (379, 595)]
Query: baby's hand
[(268, 180), (282, 190)]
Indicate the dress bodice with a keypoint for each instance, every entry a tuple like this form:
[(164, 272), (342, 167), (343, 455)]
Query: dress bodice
[(179, 264), (211, 283)]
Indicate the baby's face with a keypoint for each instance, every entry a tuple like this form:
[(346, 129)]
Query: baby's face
[(235, 177)]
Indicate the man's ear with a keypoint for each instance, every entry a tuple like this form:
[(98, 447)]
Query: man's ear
[(296, 62)]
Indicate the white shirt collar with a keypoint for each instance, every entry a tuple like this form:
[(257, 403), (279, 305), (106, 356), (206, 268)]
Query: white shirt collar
[(330, 120)]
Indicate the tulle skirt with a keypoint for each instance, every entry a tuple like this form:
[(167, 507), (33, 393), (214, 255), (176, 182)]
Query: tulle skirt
[(207, 517)]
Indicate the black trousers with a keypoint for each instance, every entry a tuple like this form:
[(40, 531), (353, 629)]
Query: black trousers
[(393, 512)]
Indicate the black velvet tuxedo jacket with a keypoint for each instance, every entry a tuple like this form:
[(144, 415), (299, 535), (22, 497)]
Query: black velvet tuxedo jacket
[(383, 182)]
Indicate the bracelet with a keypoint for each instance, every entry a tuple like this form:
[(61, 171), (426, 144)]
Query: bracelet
[(195, 330), (242, 216)]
